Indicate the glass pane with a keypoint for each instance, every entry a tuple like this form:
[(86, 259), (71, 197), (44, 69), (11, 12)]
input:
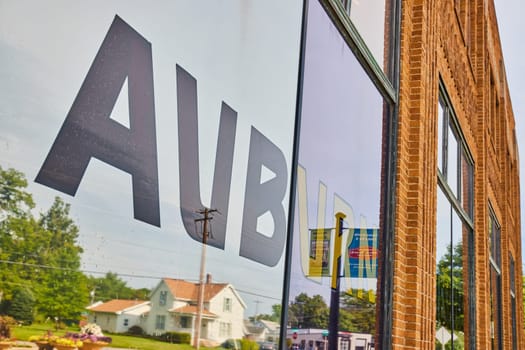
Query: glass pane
[(443, 269), (451, 274), (459, 276), (494, 241), (495, 303), (339, 171), (441, 118), (467, 177), (452, 162), (121, 130), (512, 275), (369, 19)]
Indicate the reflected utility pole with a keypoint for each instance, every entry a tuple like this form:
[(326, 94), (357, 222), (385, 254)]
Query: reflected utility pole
[(333, 326), (197, 329)]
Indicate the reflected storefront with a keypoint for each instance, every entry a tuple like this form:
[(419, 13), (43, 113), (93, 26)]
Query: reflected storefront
[(340, 156)]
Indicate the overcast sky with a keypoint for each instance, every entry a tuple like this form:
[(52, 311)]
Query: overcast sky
[(510, 22)]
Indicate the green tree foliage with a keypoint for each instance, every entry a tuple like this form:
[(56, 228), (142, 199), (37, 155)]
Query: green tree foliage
[(112, 287), (308, 312), (450, 289), (17, 227), (63, 290), (275, 316), (357, 313), (39, 254), (21, 305), (14, 200)]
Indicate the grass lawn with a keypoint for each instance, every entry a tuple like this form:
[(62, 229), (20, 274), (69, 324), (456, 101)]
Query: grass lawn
[(119, 340)]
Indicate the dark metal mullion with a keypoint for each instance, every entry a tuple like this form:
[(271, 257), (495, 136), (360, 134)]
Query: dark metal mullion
[(293, 183), (387, 276)]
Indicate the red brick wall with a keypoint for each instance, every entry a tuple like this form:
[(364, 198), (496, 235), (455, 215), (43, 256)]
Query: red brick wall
[(460, 47)]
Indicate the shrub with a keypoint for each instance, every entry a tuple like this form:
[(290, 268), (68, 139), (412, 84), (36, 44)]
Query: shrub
[(176, 337), (135, 330), (247, 344)]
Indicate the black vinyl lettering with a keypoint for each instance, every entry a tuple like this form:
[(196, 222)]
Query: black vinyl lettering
[(88, 131), (190, 200), (263, 197)]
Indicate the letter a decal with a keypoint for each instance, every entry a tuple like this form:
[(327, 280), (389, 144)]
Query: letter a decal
[(88, 131)]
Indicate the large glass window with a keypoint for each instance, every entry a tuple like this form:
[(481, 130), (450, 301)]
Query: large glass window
[(147, 147), (496, 332), (339, 170), (454, 236)]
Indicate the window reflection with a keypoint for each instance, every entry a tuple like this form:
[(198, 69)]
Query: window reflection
[(451, 274), (452, 161), (467, 171), (454, 235), (369, 18), (339, 171)]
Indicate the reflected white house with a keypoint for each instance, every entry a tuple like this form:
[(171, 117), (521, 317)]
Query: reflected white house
[(173, 308)]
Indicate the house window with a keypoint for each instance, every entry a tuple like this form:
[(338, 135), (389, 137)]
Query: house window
[(496, 333), (225, 329), (227, 307), (163, 298), (160, 322), (454, 235), (185, 322), (126, 322)]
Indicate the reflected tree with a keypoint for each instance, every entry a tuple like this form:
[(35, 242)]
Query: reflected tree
[(450, 289)]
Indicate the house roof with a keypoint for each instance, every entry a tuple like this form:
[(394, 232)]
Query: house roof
[(251, 328), (181, 289), (192, 310), (117, 305), (272, 326)]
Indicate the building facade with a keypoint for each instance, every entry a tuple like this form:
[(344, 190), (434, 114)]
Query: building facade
[(457, 180), (319, 155), (119, 315), (174, 308)]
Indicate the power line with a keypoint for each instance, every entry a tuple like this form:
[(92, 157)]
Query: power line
[(151, 277)]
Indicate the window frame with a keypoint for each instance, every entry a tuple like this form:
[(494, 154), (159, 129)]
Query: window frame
[(450, 125), (227, 304), (160, 322), (163, 297)]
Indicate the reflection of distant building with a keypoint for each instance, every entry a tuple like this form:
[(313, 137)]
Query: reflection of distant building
[(262, 330), (173, 308), (118, 316), (317, 339)]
